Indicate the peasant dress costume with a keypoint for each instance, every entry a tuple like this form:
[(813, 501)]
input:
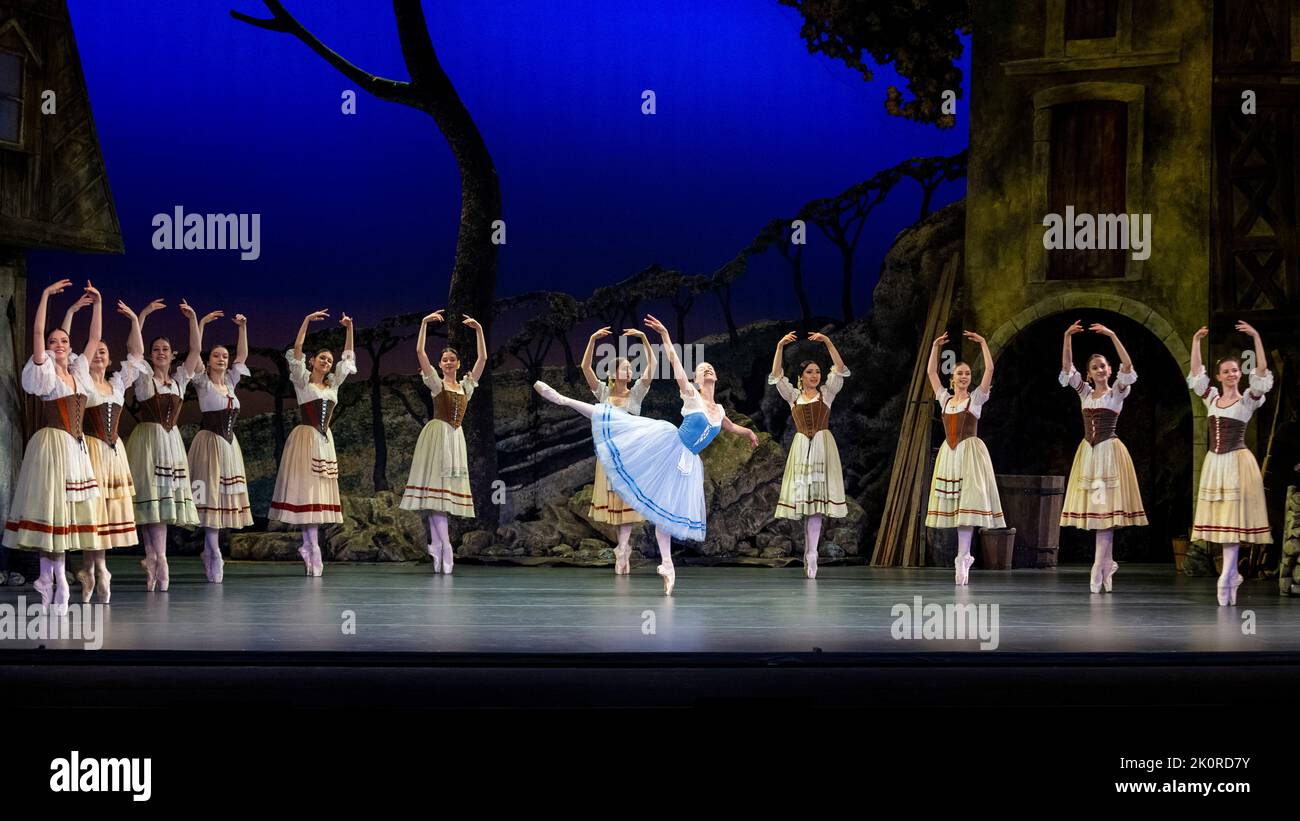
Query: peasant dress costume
[(307, 485), (216, 460), (1230, 506), (107, 451), (964, 491), (606, 505), (1102, 491), (813, 483), (156, 452), (56, 505), (439, 478), (655, 466)]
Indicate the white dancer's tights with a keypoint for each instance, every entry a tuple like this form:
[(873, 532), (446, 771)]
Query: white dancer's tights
[(584, 408), (964, 534), (47, 568), (60, 578), (665, 540), (439, 521), (155, 545), (212, 541), (309, 536), (1104, 553), (1229, 563), (812, 533), (435, 541)]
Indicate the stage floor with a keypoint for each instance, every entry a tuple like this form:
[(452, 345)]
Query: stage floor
[(504, 609)]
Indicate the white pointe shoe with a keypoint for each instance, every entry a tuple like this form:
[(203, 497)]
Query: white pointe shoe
[(46, 588), (1110, 574), (547, 392), (962, 564), (87, 578), (448, 558), (61, 601), (1228, 593), (435, 553), (1095, 579), (164, 574), (218, 569), (105, 592), (670, 577), (317, 564), (305, 553), (150, 574), (810, 564)]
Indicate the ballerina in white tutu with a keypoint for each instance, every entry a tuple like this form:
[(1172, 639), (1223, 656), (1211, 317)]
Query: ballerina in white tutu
[(56, 506), (654, 465), (964, 491), (215, 458), (439, 478), (813, 484), (307, 484), (1102, 492), (620, 391), (104, 403), (1230, 505)]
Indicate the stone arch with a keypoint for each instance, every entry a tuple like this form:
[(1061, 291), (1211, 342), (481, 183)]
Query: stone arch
[(1134, 309)]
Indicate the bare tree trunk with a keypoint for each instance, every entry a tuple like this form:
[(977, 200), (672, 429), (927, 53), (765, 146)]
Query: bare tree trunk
[(723, 293), (379, 475)]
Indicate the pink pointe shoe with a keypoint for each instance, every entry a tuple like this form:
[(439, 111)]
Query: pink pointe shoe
[(104, 578), (547, 392), (1095, 579), (1110, 574), (61, 601), (218, 569), (150, 574), (45, 587), (317, 564), (1228, 593), (87, 578), (962, 564), (810, 564), (670, 577), (164, 574), (435, 553), (306, 558), (448, 558)]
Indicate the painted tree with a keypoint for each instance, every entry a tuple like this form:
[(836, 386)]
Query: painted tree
[(720, 282), (920, 37), (931, 172), (379, 341), (778, 234), (473, 275), (563, 311)]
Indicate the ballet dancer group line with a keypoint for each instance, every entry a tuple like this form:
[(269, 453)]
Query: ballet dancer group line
[(80, 489)]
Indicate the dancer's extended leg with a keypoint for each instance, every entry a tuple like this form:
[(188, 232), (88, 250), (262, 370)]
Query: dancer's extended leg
[(435, 546), (666, 568), (1229, 579), (444, 536), (964, 558), (812, 528), (623, 553), (551, 395)]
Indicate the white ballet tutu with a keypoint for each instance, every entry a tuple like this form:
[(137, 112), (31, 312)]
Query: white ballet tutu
[(649, 467)]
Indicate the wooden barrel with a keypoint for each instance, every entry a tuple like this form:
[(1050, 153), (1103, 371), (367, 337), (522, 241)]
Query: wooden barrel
[(997, 548), (940, 546), (1032, 506)]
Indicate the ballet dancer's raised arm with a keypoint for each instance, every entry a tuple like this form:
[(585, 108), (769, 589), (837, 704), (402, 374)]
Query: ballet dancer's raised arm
[(932, 366), (651, 361), (1197, 364), (38, 323), (476, 372), (421, 340), (1126, 361), (135, 339), (315, 316), (1261, 359), (1067, 346), (778, 361), (683, 381), (836, 359), (194, 357), (346, 322), (72, 312), (587, 355), (986, 381), (241, 347), (96, 321)]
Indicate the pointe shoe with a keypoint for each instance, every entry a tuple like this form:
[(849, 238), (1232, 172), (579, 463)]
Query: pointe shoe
[(61, 601), (306, 558), (448, 558), (45, 587), (435, 553), (963, 563), (1109, 574), (1095, 580), (317, 564), (104, 578), (621, 556), (150, 574), (1227, 593), (164, 574), (547, 392), (87, 579), (810, 564), (218, 569), (1236, 582), (670, 577)]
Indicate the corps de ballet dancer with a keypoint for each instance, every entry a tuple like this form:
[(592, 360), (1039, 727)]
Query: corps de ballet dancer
[(104, 404), (812, 486), (216, 461), (619, 391), (1230, 505), (1102, 492), (964, 491), (160, 470), (56, 505), (439, 478), (307, 484), (654, 465)]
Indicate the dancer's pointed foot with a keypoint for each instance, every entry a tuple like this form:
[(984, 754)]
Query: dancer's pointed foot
[(1096, 578), (86, 576), (548, 393), (670, 577), (1109, 574), (1227, 589), (305, 553), (61, 600), (218, 568), (448, 558), (150, 574), (104, 578), (435, 553), (962, 564), (1236, 582), (317, 564), (164, 574), (45, 587), (621, 561), (810, 564)]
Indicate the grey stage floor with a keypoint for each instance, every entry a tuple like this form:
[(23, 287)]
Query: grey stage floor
[(485, 609)]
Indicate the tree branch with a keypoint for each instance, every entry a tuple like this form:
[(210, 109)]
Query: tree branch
[(285, 23)]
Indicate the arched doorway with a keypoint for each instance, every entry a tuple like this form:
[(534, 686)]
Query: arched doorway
[(1033, 425)]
